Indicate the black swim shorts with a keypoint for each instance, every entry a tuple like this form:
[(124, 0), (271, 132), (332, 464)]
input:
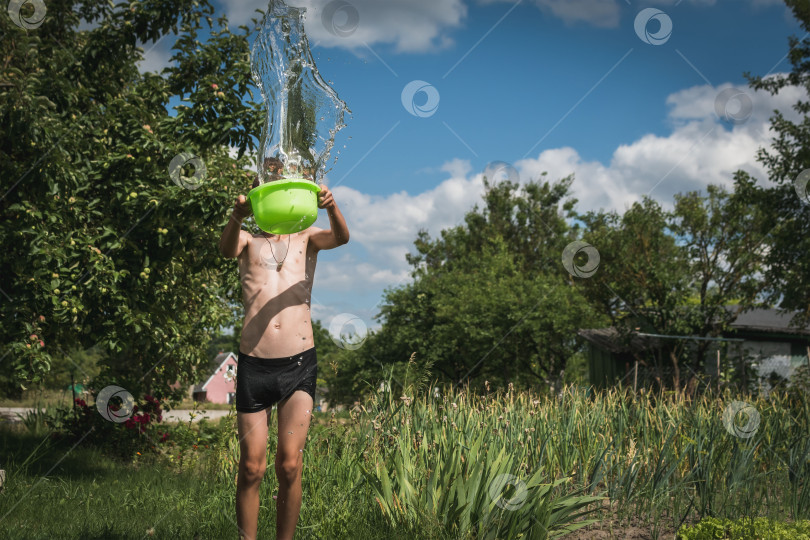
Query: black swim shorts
[(263, 382)]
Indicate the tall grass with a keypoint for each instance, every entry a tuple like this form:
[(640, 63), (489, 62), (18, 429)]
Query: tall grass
[(462, 465), (507, 463)]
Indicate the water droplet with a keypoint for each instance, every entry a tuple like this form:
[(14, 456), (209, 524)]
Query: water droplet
[(299, 363), (290, 432)]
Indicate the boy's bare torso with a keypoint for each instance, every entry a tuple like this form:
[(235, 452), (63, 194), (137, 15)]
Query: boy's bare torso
[(277, 301)]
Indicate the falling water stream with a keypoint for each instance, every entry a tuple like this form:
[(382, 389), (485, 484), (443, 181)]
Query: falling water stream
[(303, 112)]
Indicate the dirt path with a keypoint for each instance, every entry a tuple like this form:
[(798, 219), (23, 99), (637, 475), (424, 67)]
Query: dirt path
[(10, 414)]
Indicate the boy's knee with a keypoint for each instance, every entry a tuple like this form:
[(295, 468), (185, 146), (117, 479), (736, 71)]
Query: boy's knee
[(253, 469), (288, 468)]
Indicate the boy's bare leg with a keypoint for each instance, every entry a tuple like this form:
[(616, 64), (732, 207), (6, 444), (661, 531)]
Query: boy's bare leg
[(294, 415), (252, 429)]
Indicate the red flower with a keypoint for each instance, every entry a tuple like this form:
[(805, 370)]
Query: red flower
[(148, 397), (130, 423), (146, 418), (80, 402)]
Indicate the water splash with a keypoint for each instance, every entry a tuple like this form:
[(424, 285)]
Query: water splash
[(303, 112)]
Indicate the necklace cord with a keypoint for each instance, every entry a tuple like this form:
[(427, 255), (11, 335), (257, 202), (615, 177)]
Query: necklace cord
[(274, 254)]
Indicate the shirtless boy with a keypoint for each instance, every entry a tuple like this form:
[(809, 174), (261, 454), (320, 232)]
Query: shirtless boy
[(277, 364)]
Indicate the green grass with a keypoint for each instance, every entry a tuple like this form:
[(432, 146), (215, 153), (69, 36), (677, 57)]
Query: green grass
[(424, 468), (81, 493)]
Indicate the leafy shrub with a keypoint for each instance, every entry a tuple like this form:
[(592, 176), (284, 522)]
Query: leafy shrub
[(188, 440), (743, 529), (139, 434)]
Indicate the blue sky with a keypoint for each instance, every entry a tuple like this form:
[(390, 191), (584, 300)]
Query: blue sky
[(545, 85)]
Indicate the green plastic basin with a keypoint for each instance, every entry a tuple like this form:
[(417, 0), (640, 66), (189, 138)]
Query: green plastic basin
[(285, 206)]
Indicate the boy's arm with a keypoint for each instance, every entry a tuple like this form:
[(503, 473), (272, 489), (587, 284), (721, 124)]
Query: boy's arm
[(338, 233), (234, 239)]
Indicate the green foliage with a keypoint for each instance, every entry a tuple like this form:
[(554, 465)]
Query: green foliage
[(745, 528), (489, 301), (659, 458), (787, 228), (677, 273), (327, 352), (80, 422), (85, 365), (643, 277), (453, 473), (40, 419), (101, 247)]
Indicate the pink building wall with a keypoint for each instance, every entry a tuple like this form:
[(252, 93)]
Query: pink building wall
[(221, 385)]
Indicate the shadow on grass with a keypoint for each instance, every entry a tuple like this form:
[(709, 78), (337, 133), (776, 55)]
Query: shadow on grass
[(44, 454)]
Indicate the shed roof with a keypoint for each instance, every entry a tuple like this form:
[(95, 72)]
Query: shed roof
[(755, 320), (768, 320), (611, 340)]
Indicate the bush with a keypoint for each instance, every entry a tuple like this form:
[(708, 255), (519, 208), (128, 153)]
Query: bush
[(139, 434), (743, 529)]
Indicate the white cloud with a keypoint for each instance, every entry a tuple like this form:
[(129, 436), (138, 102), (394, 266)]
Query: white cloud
[(701, 149), (409, 25), (388, 224)]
